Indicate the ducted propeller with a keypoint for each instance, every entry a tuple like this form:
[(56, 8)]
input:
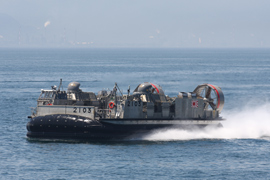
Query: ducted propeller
[(212, 96)]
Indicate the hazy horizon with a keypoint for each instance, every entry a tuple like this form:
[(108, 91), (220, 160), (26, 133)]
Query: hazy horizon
[(140, 24)]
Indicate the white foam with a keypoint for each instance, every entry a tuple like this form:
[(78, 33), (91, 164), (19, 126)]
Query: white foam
[(248, 123)]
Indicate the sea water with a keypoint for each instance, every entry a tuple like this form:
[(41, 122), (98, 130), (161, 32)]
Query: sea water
[(239, 150)]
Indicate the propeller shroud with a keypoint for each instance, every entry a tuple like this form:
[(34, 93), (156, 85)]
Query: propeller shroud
[(212, 95)]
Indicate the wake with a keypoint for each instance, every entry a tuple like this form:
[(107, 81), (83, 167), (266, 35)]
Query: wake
[(248, 123)]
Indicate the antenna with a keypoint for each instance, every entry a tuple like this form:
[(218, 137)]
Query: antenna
[(128, 90), (118, 88), (60, 85)]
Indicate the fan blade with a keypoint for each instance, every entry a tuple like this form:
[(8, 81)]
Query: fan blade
[(208, 92), (213, 106)]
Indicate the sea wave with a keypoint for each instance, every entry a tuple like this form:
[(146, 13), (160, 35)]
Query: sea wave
[(248, 123)]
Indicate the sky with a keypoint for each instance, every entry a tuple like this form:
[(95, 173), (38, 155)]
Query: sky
[(135, 23)]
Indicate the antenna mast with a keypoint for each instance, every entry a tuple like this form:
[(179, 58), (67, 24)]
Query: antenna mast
[(60, 85)]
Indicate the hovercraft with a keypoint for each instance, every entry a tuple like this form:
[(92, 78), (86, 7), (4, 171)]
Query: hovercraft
[(112, 114)]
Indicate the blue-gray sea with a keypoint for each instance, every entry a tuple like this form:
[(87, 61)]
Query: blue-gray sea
[(239, 150)]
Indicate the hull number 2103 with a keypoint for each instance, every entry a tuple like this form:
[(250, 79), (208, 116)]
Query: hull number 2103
[(81, 110)]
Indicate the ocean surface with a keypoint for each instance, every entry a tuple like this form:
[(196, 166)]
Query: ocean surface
[(240, 150)]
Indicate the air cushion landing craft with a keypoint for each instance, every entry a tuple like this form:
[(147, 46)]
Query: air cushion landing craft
[(112, 114)]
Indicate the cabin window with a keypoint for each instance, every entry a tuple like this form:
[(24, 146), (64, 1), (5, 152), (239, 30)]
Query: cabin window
[(50, 95), (46, 95), (42, 95)]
